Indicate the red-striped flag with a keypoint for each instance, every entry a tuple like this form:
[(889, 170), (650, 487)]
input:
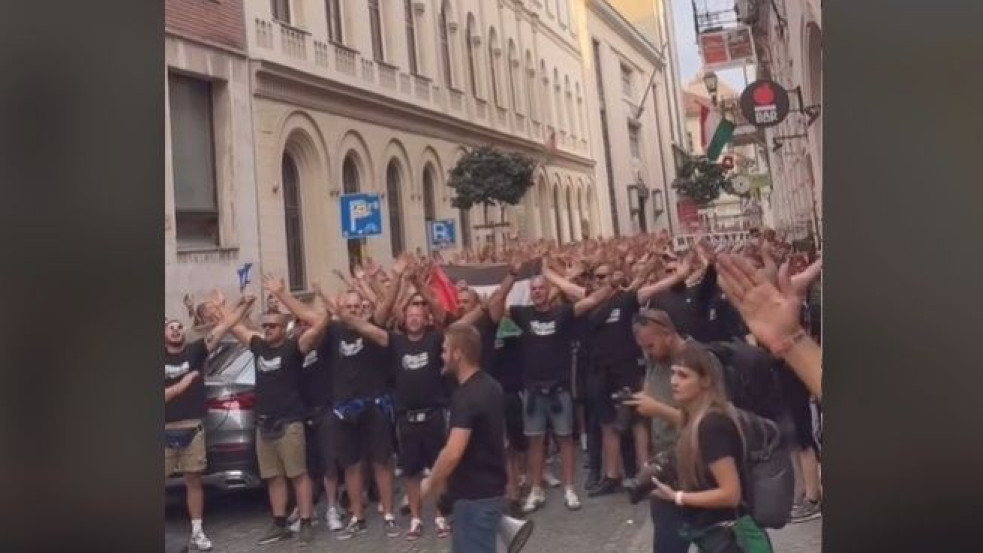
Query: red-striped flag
[(443, 288)]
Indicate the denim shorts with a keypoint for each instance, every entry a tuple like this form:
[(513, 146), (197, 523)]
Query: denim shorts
[(557, 411), (476, 522)]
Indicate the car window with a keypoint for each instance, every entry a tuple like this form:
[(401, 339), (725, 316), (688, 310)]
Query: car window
[(232, 362)]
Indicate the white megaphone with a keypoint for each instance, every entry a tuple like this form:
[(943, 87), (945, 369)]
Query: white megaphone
[(513, 534)]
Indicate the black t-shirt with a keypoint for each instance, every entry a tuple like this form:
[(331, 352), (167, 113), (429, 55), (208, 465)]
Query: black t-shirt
[(689, 307), (614, 343), (546, 343), (479, 406), (190, 404), (278, 379), (718, 438), (487, 329), (315, 377), (359, 366), (416, 367)]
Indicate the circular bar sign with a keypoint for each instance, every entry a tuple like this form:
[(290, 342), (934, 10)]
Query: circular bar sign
[(764, 103)]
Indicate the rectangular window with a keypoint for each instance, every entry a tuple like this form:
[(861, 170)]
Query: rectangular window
[(375, 24), (193, 161), (334, 21), (633, 132), (598, 74), (410, 36), (626, 78), (281, 10)]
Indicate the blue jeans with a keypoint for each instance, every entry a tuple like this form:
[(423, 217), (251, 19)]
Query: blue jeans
[(475, 528), (667, 519)]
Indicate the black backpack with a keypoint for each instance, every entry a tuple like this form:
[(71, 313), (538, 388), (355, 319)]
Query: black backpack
[(769, 478), (751, 378)]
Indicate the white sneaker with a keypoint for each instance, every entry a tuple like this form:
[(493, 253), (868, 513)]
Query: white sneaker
[(571, 500), (199, 542), (550, 480), (535, 500), (333, 518), (293, 520)]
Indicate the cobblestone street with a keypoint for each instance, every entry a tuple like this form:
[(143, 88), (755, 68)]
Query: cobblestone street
[(603, 525)]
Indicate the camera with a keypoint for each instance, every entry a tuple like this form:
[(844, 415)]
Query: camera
[(624, 414), (662, 468)]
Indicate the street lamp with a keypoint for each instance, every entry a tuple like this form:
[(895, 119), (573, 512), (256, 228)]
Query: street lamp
[(710, 81)]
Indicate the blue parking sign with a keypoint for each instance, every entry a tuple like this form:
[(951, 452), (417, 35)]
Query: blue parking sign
[(442, 234), (361, 215)]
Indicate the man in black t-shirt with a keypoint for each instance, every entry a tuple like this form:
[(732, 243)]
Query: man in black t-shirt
[(185, 410), (471, 467), (420, 399), (280, 411), (547, 332)]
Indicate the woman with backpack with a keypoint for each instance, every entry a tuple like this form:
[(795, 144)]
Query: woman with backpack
[(710, 461)]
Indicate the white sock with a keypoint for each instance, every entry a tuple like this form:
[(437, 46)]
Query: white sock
[(196, 526)]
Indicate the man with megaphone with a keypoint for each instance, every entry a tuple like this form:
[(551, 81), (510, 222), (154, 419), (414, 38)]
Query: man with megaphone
[(471, 466)]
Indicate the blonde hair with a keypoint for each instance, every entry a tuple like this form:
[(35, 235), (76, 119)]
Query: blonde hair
[(689, 458)]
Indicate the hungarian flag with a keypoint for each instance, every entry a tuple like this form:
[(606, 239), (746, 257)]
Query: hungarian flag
[(715, 131), (484, 279), (444, 289)]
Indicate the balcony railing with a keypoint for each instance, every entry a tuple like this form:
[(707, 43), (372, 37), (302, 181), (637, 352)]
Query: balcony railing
[(421, 86), (344, 60), (293, 41), (368, 70), (457, 99), (481, 108), (387, 76), (320, 53)]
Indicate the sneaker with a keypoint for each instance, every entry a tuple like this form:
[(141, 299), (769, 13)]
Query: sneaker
[(354, 528), (199, 542), (443, 529), (392, 527), (807, 510), (607, 486), (550, 480), (571, 500), (293, 521), (627, 483), (514, 509), (333, 519), (306, 533), (593, 480), (416, 530), (535, 500), (275, 534)]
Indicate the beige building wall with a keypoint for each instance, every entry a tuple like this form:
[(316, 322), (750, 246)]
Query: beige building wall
[(797, 167), (621, 44), (198, 270), (320, 101)]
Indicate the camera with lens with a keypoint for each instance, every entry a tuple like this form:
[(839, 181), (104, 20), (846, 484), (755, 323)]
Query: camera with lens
[(624, 414), (662, 468)]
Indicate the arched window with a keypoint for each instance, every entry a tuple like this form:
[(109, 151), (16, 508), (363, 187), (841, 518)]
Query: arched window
[(333, 9), (395, 203), (350, 182), (513, 79), (570, 215), (293, 223), (445, 50), (469, 39), (556, 213), (410, 36), (494, 57), (429, 201)]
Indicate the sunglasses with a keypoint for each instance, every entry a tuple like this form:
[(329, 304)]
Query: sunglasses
[(418, 303), (270, 326), (601, 275)]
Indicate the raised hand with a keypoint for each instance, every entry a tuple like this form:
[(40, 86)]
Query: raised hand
[(274, 285), (798, 285), (771, 315), (218, 298)]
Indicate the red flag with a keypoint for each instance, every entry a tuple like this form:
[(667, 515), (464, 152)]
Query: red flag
[(443, 288)]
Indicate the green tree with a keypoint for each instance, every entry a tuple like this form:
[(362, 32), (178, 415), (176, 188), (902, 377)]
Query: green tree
[(488, 177)]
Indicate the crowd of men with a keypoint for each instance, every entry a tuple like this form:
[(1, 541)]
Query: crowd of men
[(466, 399)]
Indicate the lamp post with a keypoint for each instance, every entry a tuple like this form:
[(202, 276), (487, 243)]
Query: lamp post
[(710, 81)]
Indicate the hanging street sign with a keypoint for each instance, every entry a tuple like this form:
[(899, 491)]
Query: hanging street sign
[(764, 103)]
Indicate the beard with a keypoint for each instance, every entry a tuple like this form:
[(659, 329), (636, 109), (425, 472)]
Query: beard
[(174, 343)]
